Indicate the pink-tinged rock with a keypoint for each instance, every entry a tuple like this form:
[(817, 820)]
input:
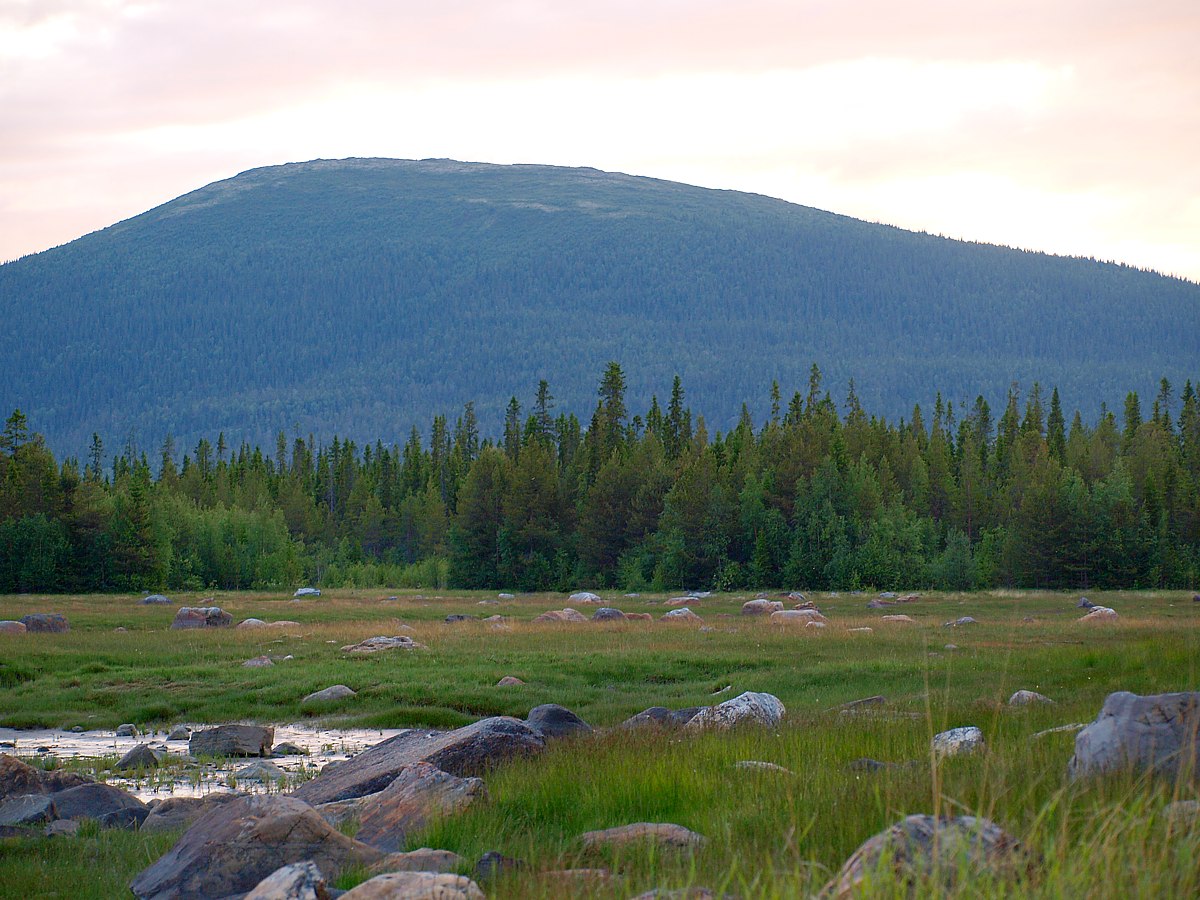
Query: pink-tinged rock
[(420, 792), (416, 886), (761, 607), (11, 627), (202, 617), (1101, 614), (381, 643), (796, 616), (664, 834)]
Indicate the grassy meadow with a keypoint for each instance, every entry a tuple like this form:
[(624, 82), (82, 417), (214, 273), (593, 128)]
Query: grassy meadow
[(770, 834)]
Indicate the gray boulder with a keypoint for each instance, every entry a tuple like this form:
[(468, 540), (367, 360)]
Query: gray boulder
[(931, 854), (749, 708), (554, 721), (662, 717), (47, 623), (140, 757), (1084, 603), (608, 614), (381, 643), (156, 600), (262, 772), (95, 801), (180, 812), (584, 597), (662, 834), (330, 694), (960, 622), (1025, 698), (231, 849), (298, 881), (958, 742), (683, 614), (419, 793), (1154, 733), (18, 778), (126, 730), (201, 617), (28, 809), (307, 592), (232, 740), (179, 733), (416, 886), (467, 751), (761, 607)]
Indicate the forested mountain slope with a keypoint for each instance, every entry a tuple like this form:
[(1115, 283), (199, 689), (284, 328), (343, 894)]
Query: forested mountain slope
[(360, 297)]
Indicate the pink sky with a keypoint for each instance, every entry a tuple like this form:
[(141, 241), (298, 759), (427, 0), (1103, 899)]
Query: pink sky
[(1058, 125)]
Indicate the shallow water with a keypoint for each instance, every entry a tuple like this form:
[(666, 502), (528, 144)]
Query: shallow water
[(325, 745)]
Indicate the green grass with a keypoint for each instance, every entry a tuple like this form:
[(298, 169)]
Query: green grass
[(770, 835)]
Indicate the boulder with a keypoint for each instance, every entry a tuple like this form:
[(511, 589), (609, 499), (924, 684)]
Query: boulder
[(899, 620), (1084, 603), (459, 617), (8, 626), (179, 733), (307, 592), (888, 595), (18, 778), (506, 596), (919, 848), (639, 617), (298, 881), (423, 859), (879, 604), (128, 817), (28, 809), (420, 792), (554, 721), (62, 828), (662, 717), (663, 834), (49, 623), (608, 614), (1153, 733), (202, 617), (1196, 598), (761, 607), (1024, 698), (126, 730), (815, 624), (258, 662), (749, 708), (95, 801), (682, 615), (262, 772), (509, 681), (287, 748), (140, 757), (232, 740), (247, 624), (960, 622), (494, 864), (180, 812), (863, 630), (863, 705), (467, 751), (796, 617), (329, 694), (156, 600), (381, 643), (866, 764), (958, 742), (232, 848), (757, 765), (416, 886), (560, 615), (1101, 614), (584, 597)]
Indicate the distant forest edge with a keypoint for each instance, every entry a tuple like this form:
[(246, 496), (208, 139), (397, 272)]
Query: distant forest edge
[(811, 498), (355, 297)]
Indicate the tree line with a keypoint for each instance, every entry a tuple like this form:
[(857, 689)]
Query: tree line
[(819, 495)]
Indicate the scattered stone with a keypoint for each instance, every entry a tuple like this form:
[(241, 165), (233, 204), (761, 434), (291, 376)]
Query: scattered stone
[(28, 809), (45, 623), (608, 614), (509, 681), (140, 757), (262, 772), (494, 864), (900, 620), (496, 622), (287, 748), (298, 881), (1060, 729), (1024, 698), (761, 607), (866, 764), (330, 694), (1101, 614), (1085, 603), (749, 708), (505, 596), (62, 828), (554, 721), (129, 818), (958, 742), (639, 617), (419, 793), (864, 630), (688, 893), (283, 623), (246, 624), (1154, 733), (416, 886), (920, 847), (180, 812), (232, 848), (662, 717), (811, 624), (258, 662), (683, 614), (755, 765), (1196, 598), (1182, 813), (18, 778), (585, 597), (382, 643), (960, 622), (156, 600), (232, 740), (663, 834), (866, 704), (8, 626), (467, 751), (950, 647), (307, 592), (488, 603), (126, 730), (77, 729), (459, 617), (561, 615), (888, 595), (202, 617), (95, 801), (179, 733), (879, 604), (422, 859), (796, 617)]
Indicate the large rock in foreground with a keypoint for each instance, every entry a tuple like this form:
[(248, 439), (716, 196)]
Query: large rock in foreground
[(749, 708), (180, 812), (202, 617), (229, 850), (232, 740), (50, 623), (1155, 733), (17, 778), (299, 881), (419, 793), (919, 849), (467, 751), (97, 801)]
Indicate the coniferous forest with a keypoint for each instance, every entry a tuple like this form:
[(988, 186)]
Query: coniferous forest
[(822, 495)]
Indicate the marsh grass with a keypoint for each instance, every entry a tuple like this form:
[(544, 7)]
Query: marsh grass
[(771, 835)]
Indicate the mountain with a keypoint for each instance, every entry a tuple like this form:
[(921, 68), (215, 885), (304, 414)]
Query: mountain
[(362, 296)]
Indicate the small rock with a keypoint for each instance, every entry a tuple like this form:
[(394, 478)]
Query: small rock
[(156, 600), (287, 748), (585, 597), (608, 614), (126, 730), (488, 603), (888, 595), (1101, 614), (1060, 729), (28, 809), (298, 881), (1084, 603), (554, 721), (98, 801), (866, 629), (663, 834), (900, 620), (261, 771), (662, 717), (382, 643), (247, 624), (796, 617), (258, 662), (330, 694), (866, 704), (561, 615), (494, 864), (416, 886), (45, 623), (459, 617), (959, 622), (422, 859), (759, 766), (505, 596), (232, 740), (761, 607), (950, 647), (748, 708), (201, 617), (140, 757), (509, 681), (1182, 813), (179, 733), (879, 604), (683, 614), (8, 626), (307, 592), (639, 617), (62, 828), (866, 764), (815, 625), (958, 742), (1024, 698)]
